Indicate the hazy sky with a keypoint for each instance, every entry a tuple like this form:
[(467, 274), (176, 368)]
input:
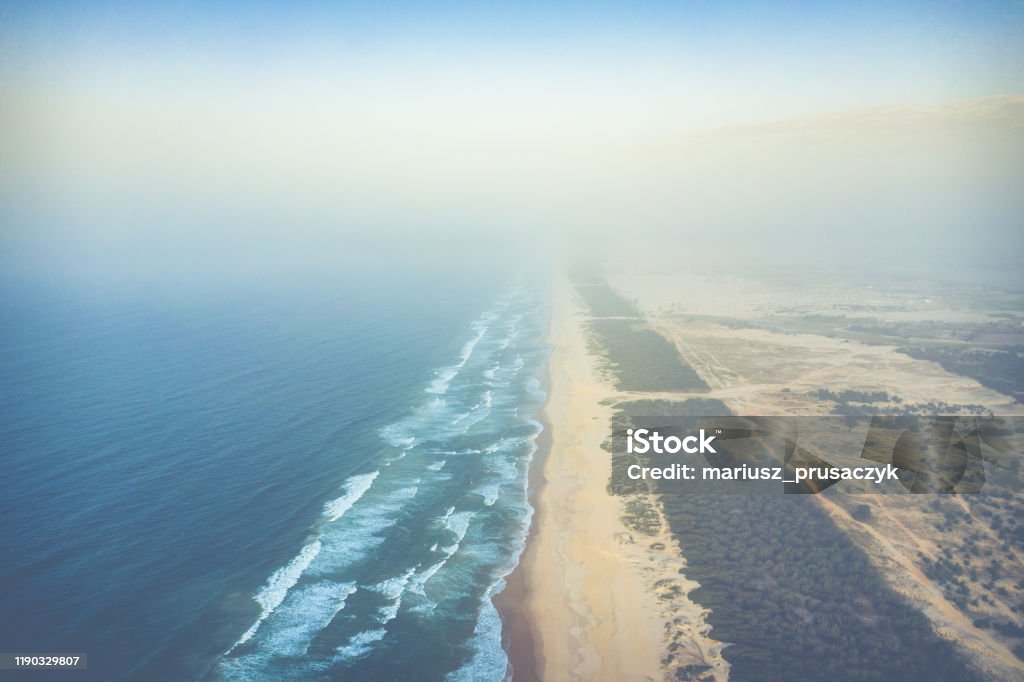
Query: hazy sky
[(129, 132)]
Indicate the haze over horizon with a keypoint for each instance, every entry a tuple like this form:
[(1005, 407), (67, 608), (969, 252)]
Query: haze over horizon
[(138, 137)]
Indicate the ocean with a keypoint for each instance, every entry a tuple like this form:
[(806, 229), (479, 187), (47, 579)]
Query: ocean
[(324, 480)]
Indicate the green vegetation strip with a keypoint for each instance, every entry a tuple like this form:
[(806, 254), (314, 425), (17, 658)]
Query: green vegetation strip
[(790, 592), (642, 360)]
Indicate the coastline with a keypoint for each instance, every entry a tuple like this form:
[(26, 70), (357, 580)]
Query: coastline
[(578, 605), (519, 637), (518, 632)]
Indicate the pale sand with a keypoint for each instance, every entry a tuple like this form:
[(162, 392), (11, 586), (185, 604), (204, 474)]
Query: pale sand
[(591, 593), (755, 371)]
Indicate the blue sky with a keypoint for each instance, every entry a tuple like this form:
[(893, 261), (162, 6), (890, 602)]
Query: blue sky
[(128, 124), (932, 49)]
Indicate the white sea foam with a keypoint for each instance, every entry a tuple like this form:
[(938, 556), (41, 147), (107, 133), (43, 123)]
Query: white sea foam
[(312, 598), (396, 435), (488, 492), (439, 384), (443, 378), (476, 414), (277, 586), (533, 387), (447, 515), (458, 524), (302, 616), (512, 442), (392, 588), (351, 540), (419, 581), (506, 470), (489, 661), (310, 610), (355, 488), (486, 399), (510, 338), (360, 644), (403, 494)]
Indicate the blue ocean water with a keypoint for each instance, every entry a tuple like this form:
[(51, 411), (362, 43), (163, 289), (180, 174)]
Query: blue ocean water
[(321, 481)]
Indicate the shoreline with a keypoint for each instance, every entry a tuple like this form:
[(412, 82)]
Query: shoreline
[(519, 636), (592, 597), (585, 601)]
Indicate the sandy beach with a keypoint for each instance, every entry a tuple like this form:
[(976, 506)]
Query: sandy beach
[(595, 598), (766, 372), (587, 582)]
